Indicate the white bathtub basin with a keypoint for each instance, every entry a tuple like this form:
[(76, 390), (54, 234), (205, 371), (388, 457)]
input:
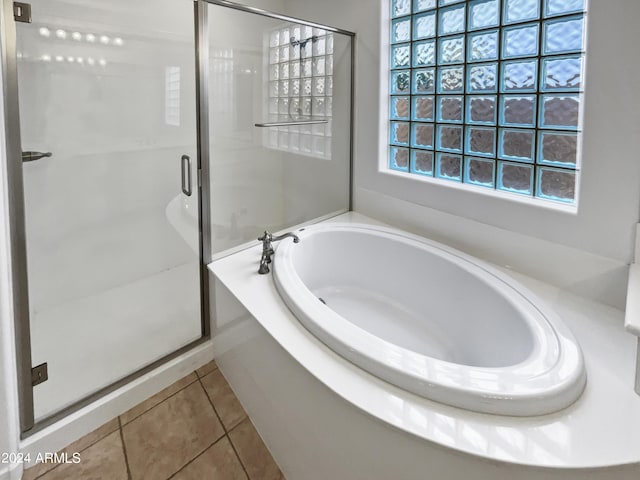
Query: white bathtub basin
[(429, 319)]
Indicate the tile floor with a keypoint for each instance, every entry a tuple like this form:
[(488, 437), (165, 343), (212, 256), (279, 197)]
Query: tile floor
[(195, 429)]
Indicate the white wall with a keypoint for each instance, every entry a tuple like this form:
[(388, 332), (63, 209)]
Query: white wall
[(587, 252)]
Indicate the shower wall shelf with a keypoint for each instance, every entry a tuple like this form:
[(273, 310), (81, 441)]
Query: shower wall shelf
[(288, 123)]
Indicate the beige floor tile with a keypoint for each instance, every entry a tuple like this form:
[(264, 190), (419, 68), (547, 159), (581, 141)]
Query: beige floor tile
[(219, 462), (77, 446), (151, 402), (103, 460), (223, 399), (253, 453), (164, 439), (37, 470), (206, 369)]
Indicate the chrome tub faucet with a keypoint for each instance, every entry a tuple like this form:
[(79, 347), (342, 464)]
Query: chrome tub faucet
[(267, 240)]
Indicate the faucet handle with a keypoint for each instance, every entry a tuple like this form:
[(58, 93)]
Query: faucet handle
[(267, 248), (265, 236)]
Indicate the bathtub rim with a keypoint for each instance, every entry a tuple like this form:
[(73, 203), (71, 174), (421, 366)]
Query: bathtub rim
[(549, 379)]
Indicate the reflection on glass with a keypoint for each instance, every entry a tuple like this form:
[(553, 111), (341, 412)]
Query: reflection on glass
[(276, 177)]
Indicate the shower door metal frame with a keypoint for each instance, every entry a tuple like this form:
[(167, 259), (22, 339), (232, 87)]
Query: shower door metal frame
[(277, 16), (17, 228)]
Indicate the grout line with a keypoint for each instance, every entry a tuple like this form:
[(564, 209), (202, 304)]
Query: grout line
[(98, 440), (161, 401), (213, 406), (105, 436), (219, 420), (47, 472), (237, 424), (236, 451), (80, 451), (121, 425), (261, 440), (196, 457), (233, 447), (201, 376), (158, 404), (124, 449)]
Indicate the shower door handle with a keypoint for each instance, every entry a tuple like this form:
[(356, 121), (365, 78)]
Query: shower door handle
[(32, 156), (185, 171)]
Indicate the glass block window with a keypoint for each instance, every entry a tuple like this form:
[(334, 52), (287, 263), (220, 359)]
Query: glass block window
[(172, 96), (488, 93), (300, 86)]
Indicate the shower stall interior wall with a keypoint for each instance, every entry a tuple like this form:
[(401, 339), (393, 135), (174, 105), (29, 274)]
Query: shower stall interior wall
[(109, 89), (269, 71)]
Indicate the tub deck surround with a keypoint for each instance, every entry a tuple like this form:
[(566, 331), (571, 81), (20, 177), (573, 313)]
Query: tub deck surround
[(594, 432), (429, 319)]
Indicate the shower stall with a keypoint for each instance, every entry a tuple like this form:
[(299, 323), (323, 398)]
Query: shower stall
[(144, 140), (279, 132)]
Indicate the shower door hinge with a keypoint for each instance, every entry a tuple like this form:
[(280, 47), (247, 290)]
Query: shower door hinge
[(39, 374), (22, 12), (199, 178)]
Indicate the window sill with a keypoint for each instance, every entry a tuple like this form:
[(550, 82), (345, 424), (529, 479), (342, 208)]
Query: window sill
[(535, 202)]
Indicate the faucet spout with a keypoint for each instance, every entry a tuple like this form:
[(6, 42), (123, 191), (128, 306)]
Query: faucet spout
[(295, 237), (267, 240)]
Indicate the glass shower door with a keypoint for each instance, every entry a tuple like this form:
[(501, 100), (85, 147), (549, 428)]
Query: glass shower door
[(108, 126), (280, 123)]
